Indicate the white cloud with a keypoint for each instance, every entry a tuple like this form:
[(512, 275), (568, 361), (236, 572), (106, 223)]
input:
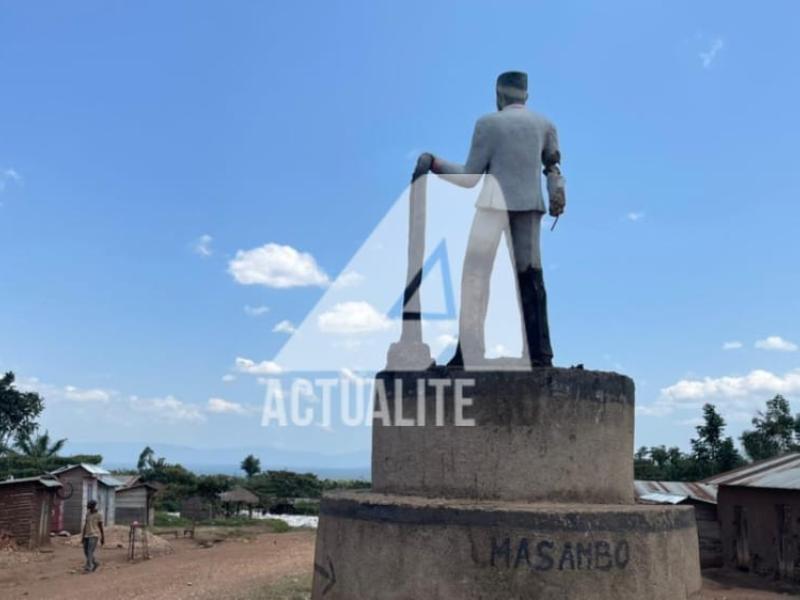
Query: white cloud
[(266, 367), (222, 406), (348, 279), (737, 396), (256, 311), (732, 345), (168, 408), (202, 245), (86, 395), (276, 266), (71, 393), (284, 327), (353, 317), (228, 378), (776, 342), (634, 216), (8, 176), (709, 56), (446, 340), (497, 351)]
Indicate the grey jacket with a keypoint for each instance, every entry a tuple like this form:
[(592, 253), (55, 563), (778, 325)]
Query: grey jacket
[(513, 146)]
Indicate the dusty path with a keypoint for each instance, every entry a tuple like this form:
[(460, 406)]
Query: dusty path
[(225, 570), (231, 570)]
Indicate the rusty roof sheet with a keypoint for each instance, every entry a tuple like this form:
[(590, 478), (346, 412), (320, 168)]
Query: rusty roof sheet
[(49, 482), (781, 472), (702, 492)]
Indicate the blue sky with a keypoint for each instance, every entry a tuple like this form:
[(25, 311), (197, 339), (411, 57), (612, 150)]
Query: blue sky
[(129, 132)]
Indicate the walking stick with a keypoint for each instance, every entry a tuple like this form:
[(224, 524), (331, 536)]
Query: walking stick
[(410, 352)]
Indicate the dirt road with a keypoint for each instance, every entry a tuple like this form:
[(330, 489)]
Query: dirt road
[(239, 568), (226, 570)]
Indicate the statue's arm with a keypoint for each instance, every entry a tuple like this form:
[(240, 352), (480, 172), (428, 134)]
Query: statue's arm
[(551, 153), (469, 174), (551, 161)]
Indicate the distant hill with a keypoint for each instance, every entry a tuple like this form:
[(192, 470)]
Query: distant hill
[(123, 455)]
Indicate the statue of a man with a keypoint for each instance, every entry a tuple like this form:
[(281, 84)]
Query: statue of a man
[(512, 147)]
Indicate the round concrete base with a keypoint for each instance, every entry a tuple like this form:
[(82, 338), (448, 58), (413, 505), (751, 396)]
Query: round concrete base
[(380, 547), (548, 435)]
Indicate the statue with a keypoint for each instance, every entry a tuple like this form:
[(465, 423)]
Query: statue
[(495, 483), (511, 147)]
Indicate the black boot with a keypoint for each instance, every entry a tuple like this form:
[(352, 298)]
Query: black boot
[(533, 302), (457, 362)]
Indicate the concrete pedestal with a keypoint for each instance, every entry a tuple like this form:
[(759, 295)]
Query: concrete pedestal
[(533, 501), (381, 547), (557, 435)]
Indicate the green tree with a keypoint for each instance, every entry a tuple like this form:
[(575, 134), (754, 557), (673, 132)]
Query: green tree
[(18, 411), (146, 458), (39, 446), (775, 431), (285, 484), (210, 486), (662, 463), (711, 452), (251, 466)]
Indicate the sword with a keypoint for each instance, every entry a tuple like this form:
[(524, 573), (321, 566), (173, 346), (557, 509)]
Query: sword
[(553, 226)]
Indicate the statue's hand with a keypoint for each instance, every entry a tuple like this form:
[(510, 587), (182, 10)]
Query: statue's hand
[(558, 202), (424, 165), (556, 191)]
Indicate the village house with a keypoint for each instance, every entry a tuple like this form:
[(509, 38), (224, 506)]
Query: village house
[(233, 501), (701, 496), (135, 501), (25, 509), (86, 482), (759, 513)]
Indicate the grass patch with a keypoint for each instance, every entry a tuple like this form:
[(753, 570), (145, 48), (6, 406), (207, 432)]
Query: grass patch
[(215, 531)]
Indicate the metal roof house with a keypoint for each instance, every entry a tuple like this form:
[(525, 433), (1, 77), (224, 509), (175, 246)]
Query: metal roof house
[(780, 472), (135, 501), (674, 492), (703, 497), (87, 482), (26, 506), (759, 512)]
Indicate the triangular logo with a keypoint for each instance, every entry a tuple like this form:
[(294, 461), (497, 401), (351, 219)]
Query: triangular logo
[(437, 258)]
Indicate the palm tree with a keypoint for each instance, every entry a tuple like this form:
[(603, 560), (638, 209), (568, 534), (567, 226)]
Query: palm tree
[(39, 447)]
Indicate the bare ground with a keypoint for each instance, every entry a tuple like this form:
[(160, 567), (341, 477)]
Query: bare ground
[(247, 565), (229, 569)]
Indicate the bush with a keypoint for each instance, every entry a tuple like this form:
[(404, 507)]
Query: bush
[(305, 507)]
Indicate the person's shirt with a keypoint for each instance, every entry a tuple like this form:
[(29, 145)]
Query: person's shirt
[(91, 528), (512, 147)]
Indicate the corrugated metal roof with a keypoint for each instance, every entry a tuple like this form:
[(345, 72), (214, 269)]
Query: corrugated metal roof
[(781, 472), (657, 498), (93, 469), (45, 481), (129, 480), (110, 481), (700, 491), (139, 484)]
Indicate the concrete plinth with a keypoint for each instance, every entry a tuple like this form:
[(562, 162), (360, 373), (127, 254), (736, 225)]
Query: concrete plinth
[(381, 547), (556, 435)]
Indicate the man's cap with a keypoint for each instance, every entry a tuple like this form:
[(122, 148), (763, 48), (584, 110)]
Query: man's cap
[(515, 81)]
